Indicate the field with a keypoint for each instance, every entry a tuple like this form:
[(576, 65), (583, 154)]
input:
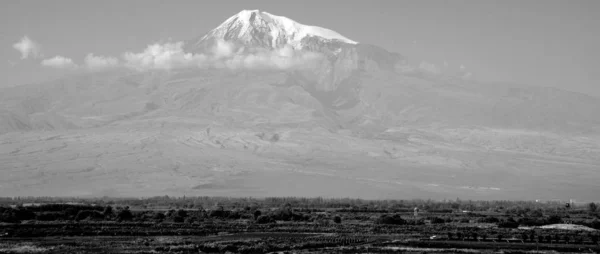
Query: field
[(294, 225)]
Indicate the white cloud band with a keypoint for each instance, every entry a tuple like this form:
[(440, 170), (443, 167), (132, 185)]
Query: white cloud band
[(27, 48), (94, 63), (59, 62)]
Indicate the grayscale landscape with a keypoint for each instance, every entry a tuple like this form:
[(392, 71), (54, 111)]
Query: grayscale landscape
[(391, 126)]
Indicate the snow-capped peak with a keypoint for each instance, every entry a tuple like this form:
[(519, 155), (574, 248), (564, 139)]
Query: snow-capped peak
[(259, 27)]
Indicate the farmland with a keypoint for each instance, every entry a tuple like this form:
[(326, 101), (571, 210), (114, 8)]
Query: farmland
[(298, 225)]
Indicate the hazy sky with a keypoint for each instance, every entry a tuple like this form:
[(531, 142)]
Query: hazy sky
[(540, 42)]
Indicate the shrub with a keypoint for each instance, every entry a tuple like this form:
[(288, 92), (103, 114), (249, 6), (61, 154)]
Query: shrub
[(88, 214), (108, 211), (199, 214), (488, 219), (63, 207), (554, 219), (181, 213), (263, 219), (234, 215), (595, 224), (49, 216), (529, 221), (592, 207), (124, 215), (536, 213), (247, 216), (256, 214), (509, 223), (284, 214), (159, 216), (390, 219), (436, 220), (416, 222), (337, 219), (178, 219), (11, 215), (191, 220), (218, 213)]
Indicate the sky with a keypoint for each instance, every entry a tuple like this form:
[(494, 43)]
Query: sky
[(536, 42)]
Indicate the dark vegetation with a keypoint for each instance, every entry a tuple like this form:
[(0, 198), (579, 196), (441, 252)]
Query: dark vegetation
[(221, 223)]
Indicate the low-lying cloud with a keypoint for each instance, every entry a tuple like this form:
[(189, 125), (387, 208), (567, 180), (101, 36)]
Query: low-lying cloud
[(222, 55), (59, 62), (430, 68), (163, 57), (171, 55), (280, 59), (95, 63), (27, 48)]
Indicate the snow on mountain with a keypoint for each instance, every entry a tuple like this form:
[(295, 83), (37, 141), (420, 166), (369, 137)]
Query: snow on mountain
[(262, 28)]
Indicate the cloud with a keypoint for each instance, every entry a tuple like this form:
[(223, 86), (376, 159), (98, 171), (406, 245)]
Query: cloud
[(171, 55), (223, 54), (59, 62), (463, 73), (94, 63), (280, 59), (429, 67), (162, 56), (28, 48), (223, 49)]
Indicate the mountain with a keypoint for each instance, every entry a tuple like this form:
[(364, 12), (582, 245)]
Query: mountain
[(350, 120), (259, 28), (341, 57)]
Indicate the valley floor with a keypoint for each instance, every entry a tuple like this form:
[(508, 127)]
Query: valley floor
[(286, 237)]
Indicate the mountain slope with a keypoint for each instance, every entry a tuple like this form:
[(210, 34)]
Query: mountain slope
[(351, 123)]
